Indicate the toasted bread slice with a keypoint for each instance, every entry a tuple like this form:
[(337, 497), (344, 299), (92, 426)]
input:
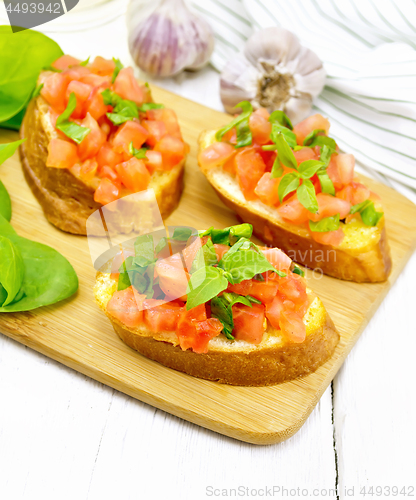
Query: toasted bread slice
[(363, 256), (67, 200), (273, 361)]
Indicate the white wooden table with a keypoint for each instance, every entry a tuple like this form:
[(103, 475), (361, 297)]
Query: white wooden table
[(64, 436)]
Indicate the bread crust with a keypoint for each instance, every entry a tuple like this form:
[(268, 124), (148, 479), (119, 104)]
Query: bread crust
[(371, 264), (67, 201)]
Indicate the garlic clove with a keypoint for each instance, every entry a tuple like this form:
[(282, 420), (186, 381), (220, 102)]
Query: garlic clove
[(169, 39)]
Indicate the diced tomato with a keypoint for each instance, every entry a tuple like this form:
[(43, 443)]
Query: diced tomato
[(82, 92), (360, 193), (88, 169), (267, 189), (96, 81), (95, 104), (154, 160), (264, 290), (127, 87), (274, 310), (242, 288), (195, 330), (127, 306), (161, 316), (190, 251), (220, 250), (173, 279), (345, 164), (156, 129), (108, 172), (129, 132), (260, 128), (61, 154), (168, 117), (305, 154), (173, 151), (294, 290), (305, 127), (106, 192), (206, 330), (248, 323), (333, 173), (293, 211), (92, 143), (329, 206), (292, 325), (250, 168), (216, 154), (345, 193), (268, 157), (64, 62), (75, 72), (229, 165), (230, 136), (133, 174), (102, 66), (107, 156), (333, 238), (54, 90), (277, 258), (262, 112)]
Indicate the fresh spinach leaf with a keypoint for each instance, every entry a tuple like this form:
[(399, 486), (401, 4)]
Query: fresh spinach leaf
[(22, 56), (5, 203), (11, 269), (8, 150), (325, 225)]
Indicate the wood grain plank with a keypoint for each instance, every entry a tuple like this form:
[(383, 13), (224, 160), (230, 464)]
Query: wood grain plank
[(78, 335)]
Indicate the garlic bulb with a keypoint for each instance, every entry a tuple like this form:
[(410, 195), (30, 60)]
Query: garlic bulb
[(168, 39), (274, 72)]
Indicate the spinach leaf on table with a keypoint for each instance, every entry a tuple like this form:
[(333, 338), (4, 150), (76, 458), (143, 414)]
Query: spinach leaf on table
[(5, 203), (22, 56), (11, 269)]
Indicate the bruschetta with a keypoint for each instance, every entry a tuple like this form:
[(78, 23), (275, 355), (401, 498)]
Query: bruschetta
[(216, 306), (93, 135), (299, 193)]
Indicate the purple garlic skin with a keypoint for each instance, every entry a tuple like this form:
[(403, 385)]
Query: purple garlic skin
[(170, 40)]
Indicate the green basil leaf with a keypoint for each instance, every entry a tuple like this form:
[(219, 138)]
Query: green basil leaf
[(307, 196), (308, 168), (74, 131), (245, 264), (298, 148), (182, 233), (244, 135), (286, 156), (70, 108), (123, 111), (37, 90), (110, 98), (310, 137), (22, 56), (123, 281), (327, 185), (289, 136), (221, 236), (220, 311), (150, 105), (11, 269), (8, 150), (242, 243), (326, 153), (298, 270), (48, 276), (277, 169), (205, 256), (360, 206), (205, 284), (288, 184), (247, 109), (280, 118), (144, 247), (240, 231), (163, 242), (234, 298), (137, 153), (6, 228), (370, 216), (323, 140), (84, 63), (117, 69), (5, 203), (325, 225)]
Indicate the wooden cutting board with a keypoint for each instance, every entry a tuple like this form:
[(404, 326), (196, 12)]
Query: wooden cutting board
[(76, 333)]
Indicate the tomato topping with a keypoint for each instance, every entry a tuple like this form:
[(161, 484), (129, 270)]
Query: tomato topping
[(345, 164), (190, 251), (305, 127), (88, 169), (292, 325), (54, 90), (95, 104), (293, 211), (129, 132), (329, 206), (216, 154), (133, 174), (156, 129), (333, 238), (195, 330), (249, 169), (260, 127), (96, 81), (277, 258), (265, 291), (102, 66), (267, 189), (106, 192), (127, 87), (360, 193), (107, 156), (305, 154), (274, 310), (294, 290), (61, 154), (82, 92), (127, 306), (220, 250), (248, 323), (161, 316), (173, 150), (173, 279), (168, 117), (64, 62), (108, 172), (92, 143), (262, 112), (154, 160)]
